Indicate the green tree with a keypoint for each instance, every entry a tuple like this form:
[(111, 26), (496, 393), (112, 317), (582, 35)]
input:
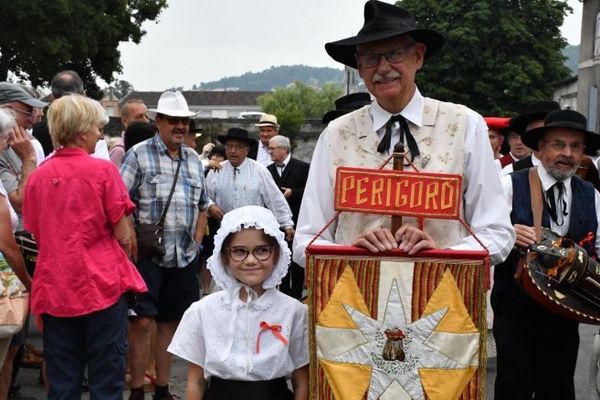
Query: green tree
[(499, 54), (41, 37), (122, 88), (293, 104)]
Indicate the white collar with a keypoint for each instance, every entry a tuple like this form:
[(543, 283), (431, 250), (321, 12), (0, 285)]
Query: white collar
[(412, 112), (242, 165), (547, 180), (534, 160), (286, 161)]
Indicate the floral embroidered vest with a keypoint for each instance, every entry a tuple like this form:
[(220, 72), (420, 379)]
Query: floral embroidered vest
[(353, 142)]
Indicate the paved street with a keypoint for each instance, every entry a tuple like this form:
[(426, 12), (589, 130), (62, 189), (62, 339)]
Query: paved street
[(30, 388)]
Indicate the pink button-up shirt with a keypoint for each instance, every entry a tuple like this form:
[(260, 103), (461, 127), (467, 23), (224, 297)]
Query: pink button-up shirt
[(71, 203)]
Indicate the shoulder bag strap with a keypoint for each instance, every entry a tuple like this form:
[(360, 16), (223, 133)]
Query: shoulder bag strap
[(535, 187), (535, 190), (164, 213)]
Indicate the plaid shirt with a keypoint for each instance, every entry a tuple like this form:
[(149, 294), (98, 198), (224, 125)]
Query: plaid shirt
[(148, 172)]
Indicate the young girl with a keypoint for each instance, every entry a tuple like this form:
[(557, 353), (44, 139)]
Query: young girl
[(242, 342)]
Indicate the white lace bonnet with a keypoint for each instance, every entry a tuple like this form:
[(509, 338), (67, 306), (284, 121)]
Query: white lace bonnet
[(234, 221)]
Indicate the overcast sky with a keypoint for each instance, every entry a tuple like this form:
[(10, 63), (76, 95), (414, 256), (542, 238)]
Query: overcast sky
[(203, 40)]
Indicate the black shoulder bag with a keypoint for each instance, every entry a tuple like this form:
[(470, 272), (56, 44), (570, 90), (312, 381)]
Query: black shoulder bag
[(150, 241)]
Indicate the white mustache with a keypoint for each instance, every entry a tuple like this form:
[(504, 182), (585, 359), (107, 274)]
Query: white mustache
[(388, 76)]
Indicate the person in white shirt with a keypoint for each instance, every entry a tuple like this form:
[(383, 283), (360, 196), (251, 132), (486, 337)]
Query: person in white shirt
[(267, 128), (244, 341), (243, 181), (440, 137)]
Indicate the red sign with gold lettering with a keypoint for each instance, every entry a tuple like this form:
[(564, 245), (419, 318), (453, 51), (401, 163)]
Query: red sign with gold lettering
[(392, 192)]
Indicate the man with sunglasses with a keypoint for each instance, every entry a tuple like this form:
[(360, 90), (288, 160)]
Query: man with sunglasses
[(149, 170), (442, 137)]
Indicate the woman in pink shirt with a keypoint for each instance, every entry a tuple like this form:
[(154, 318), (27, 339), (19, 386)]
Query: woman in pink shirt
[(77, 207)]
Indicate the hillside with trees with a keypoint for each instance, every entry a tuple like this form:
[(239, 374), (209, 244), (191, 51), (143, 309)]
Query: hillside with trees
[(280, 76)]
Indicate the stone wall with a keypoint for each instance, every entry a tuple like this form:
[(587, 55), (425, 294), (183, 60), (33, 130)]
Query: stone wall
[(303, 142)]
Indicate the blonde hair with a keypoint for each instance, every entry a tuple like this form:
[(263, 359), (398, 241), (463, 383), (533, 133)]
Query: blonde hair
[(71, 115)]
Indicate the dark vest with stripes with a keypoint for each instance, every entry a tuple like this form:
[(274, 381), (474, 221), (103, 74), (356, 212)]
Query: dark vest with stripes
[(583, 220)]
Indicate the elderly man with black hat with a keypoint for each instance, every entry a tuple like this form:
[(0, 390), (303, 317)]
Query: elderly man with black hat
[(165, 180), (537, 349), (244, 182), (443, 137)]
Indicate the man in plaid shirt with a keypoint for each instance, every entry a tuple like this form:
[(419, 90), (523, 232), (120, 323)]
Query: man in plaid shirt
[(148, 171)]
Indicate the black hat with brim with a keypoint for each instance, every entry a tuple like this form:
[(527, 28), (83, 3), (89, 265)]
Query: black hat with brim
[(346, 104), (533, 112), (563, 119), (384, 21), (238, 134)]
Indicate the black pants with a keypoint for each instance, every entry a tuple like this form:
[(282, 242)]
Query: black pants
[(225, 389), (537, 355), (292, 283)]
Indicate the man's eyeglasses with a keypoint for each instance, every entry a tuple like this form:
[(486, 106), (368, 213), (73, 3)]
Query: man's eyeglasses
[(231, 146), (28, 114), (176, 120), (239, 253), (561, 146), (394, 56), (271, 148)]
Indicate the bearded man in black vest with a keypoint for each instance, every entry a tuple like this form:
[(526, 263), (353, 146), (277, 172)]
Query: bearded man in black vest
[(537, 350)]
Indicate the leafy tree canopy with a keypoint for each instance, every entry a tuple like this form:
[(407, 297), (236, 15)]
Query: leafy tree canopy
[(122, 88), (499, 54), (41, 37), (293, 104)]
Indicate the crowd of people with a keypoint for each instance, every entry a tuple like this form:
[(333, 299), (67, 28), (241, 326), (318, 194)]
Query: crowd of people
[(148, 249)]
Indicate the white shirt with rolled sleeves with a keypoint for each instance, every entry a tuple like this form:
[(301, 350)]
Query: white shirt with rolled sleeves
[(483, 209), (251, 185)]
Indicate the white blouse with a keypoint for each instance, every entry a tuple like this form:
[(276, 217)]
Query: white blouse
[(220, 334)]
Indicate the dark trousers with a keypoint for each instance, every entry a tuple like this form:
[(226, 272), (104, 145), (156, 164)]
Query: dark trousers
[(98, 341), (537, 355), (225, 389), (292, 283)]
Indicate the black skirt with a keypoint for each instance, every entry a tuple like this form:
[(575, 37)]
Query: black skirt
[(225, 389)]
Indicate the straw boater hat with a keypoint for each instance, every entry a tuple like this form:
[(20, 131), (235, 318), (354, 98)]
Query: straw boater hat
[(267, 120), (172, 104), (564, 119), (534, 111), (347, 103), (384, 21), (239, 134)]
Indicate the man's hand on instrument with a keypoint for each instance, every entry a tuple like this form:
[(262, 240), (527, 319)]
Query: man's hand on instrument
[(412, 240), (525, 235), (377, 240)]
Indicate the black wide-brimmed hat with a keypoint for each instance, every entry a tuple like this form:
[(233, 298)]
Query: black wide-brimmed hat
[(347, 103), (534, 111), (384, 21), (239, 134), (564, 119)]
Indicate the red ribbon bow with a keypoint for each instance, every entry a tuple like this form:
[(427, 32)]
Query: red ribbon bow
[(276, 329)]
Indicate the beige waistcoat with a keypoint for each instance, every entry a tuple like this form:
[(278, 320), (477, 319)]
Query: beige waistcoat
[(353, 142)]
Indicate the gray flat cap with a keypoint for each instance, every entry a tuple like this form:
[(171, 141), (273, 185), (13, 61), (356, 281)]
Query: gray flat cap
[(11, 92)]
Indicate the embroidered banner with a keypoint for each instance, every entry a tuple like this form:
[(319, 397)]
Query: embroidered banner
[(396, 327), (391, 192)]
